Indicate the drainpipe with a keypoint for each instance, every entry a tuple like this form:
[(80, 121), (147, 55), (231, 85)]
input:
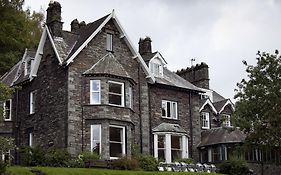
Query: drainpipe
[(140, 116), (16, 127), (82, 111), (190, 126)]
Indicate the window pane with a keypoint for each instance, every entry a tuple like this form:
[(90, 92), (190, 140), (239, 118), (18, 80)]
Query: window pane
[(115, 99), (95, 85), (174, 110), (176, 154), (96, 146), (115, 134), (109, 42), (176, 142), (96, 132), (161, 141), (115, 150), (161, 154), (95, 97), (115, 88), (163, 108), (168, 109)]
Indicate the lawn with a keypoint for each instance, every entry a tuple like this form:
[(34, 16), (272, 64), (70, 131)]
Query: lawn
[(14, 170)]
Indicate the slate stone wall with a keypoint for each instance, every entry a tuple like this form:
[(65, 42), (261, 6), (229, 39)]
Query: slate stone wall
[(265, 169), (157, 93), (79, 84), (48, 123)]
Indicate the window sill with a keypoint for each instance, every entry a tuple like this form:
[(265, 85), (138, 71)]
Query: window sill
[(116, 106), (7, 120), (175, 119), (205, 128)]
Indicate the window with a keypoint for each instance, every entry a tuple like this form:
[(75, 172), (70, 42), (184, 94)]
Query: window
[(169, 109), (32, 105), (131, 97), (226, 120), (96, 139), (116, 93), (116, 141), (30, 139), (27, 66), (7, 107), (205, 120), (6, 156), (109, 42), (170, 147), (95, 92)]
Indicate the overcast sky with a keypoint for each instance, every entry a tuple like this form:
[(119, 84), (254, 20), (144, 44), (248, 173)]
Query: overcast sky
[(220, 33)]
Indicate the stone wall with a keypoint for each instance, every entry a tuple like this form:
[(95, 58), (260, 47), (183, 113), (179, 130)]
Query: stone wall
[(265, 169)]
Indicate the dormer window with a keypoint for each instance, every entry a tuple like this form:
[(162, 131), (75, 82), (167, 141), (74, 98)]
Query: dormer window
[(27, 66), (156, 67)]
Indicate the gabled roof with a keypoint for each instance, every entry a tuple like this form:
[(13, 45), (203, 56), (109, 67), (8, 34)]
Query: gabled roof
[(9, 77), (221, 135), (109, 65), (149, 56), (220, 105), (205, 102), (217, 97), (169, 127), (171, 79)]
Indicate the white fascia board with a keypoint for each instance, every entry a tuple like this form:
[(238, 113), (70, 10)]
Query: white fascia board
[(38, 54), (228, 102), (88, 40), (208, 101), (53, 45), (158, 55), (131, 47)]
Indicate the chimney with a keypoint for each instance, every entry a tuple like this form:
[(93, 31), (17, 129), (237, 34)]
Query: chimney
[(197, 75), (82, 24), (54, 18), (74, 25), (145, 46)]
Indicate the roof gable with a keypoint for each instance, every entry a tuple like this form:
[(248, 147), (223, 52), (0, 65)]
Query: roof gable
[(220, 105), (108, 64), (208, 102)]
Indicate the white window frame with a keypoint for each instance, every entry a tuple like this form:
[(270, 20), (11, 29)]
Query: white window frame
[(226, 120), (173, 109), (123, 139), (205, 117), (92, 91), (92, 137), (168, 146), (4, 110), (122, 93), (131, 97), (156, 67), (32, 102), (109, 42), (30, 139)]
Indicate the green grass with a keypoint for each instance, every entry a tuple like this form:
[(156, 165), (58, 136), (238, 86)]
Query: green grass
[(90, 171)]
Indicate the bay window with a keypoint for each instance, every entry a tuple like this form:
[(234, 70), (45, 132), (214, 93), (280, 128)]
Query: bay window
[(95, 92), (116, 141), (116, 93)]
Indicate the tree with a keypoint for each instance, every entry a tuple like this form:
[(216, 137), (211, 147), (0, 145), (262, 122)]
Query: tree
[(19, 29), (259, 101)]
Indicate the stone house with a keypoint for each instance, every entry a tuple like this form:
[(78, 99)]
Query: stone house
[(90, 89)]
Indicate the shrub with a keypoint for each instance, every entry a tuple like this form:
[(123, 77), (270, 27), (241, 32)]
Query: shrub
[(32, 156), (147, 162), (185, 160), (57, 157), (75, 163), (87, 155), (3, 166), (234, 167), (126, 163)]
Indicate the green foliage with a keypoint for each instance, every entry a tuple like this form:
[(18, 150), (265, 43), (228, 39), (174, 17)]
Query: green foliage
[(258, 103), (32, 156), (147, 162), (185, 160), (126, 163), (75, 163), (57, 157), (234, 166), (88, 155), (6, 144), (19, 30), (3, 166)]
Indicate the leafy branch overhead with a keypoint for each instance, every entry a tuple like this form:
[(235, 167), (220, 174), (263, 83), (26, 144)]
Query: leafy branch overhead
[(258, 103), (19, 29)]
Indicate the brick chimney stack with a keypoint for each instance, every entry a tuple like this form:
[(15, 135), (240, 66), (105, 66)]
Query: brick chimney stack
[(54, 18), (74, 25), (197, 75), (145, 46)]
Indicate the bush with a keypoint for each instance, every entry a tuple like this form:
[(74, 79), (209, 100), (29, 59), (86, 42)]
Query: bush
[(185, 160), (147, 162), (87, 155), (3, 166), (75, 163), (57, 157), (126, 163), (32, 156), (234, 167)]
